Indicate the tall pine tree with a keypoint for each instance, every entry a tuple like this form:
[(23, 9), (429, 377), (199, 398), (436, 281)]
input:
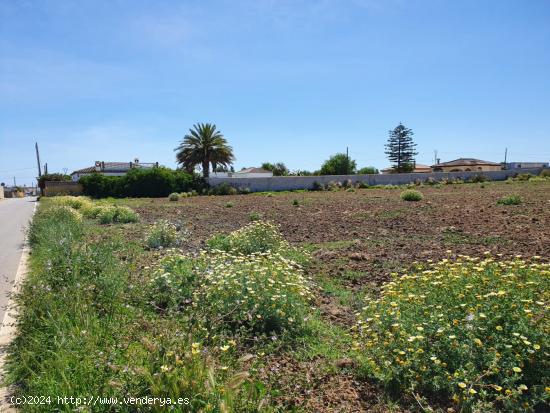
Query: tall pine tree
[(401, 149)]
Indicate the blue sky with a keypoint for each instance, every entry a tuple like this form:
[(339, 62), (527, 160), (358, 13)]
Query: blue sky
[(284, 80)]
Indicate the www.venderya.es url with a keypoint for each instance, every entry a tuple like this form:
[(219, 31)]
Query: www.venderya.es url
[(99, 400)]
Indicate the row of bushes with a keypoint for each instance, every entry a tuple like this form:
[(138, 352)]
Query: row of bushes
[(154, 182), (104, 212)]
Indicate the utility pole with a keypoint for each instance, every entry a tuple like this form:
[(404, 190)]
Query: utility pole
[(14, 183), (505, 156), (46, 168), (38, 159), (435, 157), (347, 160)]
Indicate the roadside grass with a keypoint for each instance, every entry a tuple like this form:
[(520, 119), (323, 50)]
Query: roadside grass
[(86, 327)]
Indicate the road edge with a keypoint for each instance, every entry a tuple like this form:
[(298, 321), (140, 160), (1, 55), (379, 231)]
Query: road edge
[(8, 330)]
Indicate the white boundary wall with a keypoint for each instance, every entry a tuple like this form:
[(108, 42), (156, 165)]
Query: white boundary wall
[(290, 183)]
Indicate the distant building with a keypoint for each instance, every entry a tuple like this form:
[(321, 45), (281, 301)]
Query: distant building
[(524, 165), (465, 165), (244, 173), (111, 168), (418, 168)]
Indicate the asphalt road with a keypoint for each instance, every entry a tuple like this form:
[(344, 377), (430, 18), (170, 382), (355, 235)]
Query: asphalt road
[(14, 218)]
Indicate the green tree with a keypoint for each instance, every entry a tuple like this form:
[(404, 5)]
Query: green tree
[(368, 170), (338, 164), (401, 149), (204, 146), (278, 169)]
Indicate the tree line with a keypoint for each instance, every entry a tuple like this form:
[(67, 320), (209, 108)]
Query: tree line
[(205, 146)]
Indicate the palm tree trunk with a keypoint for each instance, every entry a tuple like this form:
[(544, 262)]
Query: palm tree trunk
[(205, 169)]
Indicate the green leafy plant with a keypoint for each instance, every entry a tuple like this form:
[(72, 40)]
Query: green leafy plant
[(411, 195), (255, 216), (338, 164), (471, 330), (295, 202), (174, 196), (162, 234), (510, 200), (260, 294), (109, 214)]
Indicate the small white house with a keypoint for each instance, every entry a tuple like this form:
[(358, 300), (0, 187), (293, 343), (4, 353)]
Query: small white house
[(111, 168), (244, 173)]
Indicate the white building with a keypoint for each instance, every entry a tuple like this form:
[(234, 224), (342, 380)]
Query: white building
[(111, 168), (244, 173)]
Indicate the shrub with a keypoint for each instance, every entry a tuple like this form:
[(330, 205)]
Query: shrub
[(350, 190), (260, 294), (334, 186), (545, 173), (479, 178), (295, 202), (223, 189), (347, 184), (140, 182), (510, 200), (229, 205), (255, 216), (174, 196), (368, 170), (411, 195), (256, 237), (316, 186), (172, 286), (125, 215), (523, 177), (109, 214), (471, 331), (162, 234), (338, 164)]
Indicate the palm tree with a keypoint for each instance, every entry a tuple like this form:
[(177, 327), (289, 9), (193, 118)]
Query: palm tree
[(204, 145)]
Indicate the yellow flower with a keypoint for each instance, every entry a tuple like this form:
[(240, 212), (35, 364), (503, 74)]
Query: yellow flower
[(499, 328), (536, 346), (224, 348), (462, 385), (516, 369), (472, 391), (497, 388)]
